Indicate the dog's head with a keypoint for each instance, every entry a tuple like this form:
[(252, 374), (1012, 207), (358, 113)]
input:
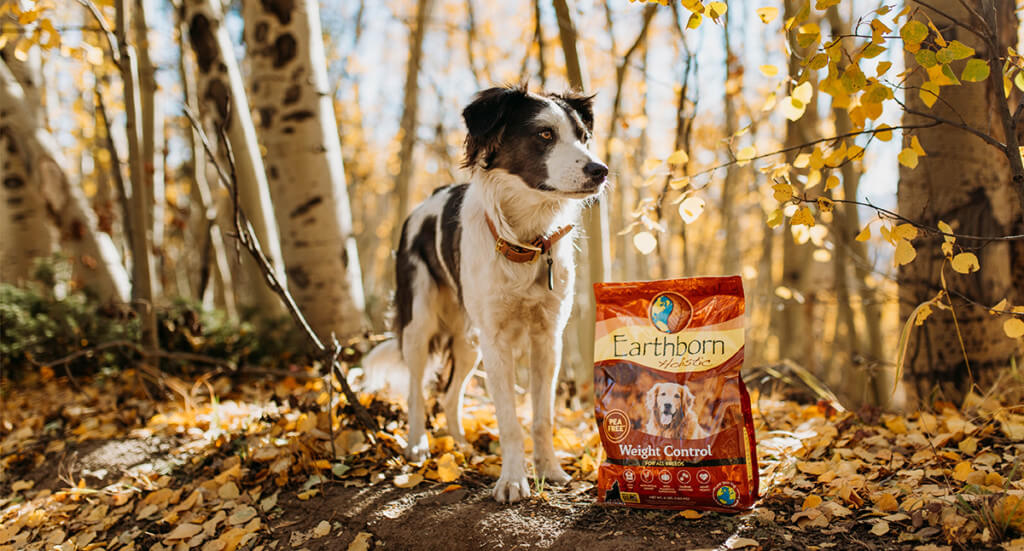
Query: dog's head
[(541, 139), (668, 401)]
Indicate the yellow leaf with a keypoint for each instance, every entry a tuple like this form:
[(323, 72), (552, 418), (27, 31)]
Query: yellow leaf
[(1000, 306), (811, 501), (803, 217), (679, 157), (409, 480), (650, 165), (792, 108), (690, 514), (922, 314), (886, 502), (691, 209), (645, 242), (783, 192), (883, 133), (745, 155), (976, 70), (945, 228), (905, 253), (803, 92), (447, 469), (915, 144), (717, 9), (694, 21), (775, 218), (361, 542), (908, 158), (769, 70), (767, 15), (825, 204), (905, 231), (183, 531), (864, 234), (831, 182), (961, 470), (1014, 328), (929, 92), (965, 263)]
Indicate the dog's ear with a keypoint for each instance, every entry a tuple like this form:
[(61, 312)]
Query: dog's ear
[(651, 399), (484, 118), (582, 104), (688, 398)]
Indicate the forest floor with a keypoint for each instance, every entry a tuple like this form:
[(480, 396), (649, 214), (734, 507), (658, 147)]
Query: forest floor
[(229, 463)]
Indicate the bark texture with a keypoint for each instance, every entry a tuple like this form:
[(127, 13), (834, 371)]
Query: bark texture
[(27, 229), (967, 183), (96, 263), (290, 93), (223, 103)]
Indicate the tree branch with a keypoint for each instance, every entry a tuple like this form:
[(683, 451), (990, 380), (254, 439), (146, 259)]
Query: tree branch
[(115, 51), (245, 235), (890, 214)]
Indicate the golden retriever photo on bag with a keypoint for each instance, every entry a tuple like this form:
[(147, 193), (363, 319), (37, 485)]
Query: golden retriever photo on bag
[(670, 412)]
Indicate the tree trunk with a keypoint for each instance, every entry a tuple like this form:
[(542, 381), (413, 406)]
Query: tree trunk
[(223, 103), (615, 159), (730, 220), (28, 233), (410, 116), (290, 93), (873, 385), (151, 134), (142, 208), (794, 319), (966, 183), (214, 285), (595, 223), (95, 261)]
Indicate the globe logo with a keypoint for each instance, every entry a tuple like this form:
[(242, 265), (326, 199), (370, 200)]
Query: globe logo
[(670, 312), (726, 494)]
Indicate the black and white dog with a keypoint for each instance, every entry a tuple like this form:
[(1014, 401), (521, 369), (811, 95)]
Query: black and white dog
[(485, 269)]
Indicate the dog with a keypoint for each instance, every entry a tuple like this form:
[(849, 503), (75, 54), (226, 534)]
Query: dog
[(485, 269), (671, 413)]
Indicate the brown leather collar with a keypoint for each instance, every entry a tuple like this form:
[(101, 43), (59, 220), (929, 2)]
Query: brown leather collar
[(522, 254)]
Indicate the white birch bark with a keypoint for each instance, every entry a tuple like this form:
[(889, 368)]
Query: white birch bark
[(27, 230), (222, 99), (291, 96), (95, 260)]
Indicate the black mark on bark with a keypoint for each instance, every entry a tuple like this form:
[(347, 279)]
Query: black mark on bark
[(305, 207), (298, 116), (282, 9), (285, 48), (13, 182), (299, 277), (203, 42), (217, 93), (291, 95)]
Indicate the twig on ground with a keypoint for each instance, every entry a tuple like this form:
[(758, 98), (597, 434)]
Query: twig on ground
[(247, 238)]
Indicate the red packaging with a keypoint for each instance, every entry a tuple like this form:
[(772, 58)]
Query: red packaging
[(672, 410)]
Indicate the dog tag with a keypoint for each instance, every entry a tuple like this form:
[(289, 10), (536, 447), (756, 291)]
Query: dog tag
[(551, 280)]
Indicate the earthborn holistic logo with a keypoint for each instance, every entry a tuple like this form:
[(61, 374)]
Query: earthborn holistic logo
[(670, 312), (726, 494), (616, 425)]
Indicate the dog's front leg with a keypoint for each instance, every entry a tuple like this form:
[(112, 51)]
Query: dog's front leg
[(512, 485), (545, 361)]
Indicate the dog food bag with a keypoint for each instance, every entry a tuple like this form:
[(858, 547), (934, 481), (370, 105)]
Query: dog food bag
[(673, 413)]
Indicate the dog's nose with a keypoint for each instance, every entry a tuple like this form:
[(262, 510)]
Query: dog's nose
[(595, 171)]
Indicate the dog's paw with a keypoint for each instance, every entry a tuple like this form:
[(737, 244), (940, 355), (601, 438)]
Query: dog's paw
[(510, 489), (417, 453), (555, 475)]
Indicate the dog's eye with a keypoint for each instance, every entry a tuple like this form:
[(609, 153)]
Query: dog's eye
[(546, 135)]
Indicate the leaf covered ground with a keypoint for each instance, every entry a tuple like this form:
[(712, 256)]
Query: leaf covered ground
[(225, 463)]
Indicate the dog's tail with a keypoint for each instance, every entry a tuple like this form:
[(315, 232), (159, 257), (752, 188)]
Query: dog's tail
[(383, 369)]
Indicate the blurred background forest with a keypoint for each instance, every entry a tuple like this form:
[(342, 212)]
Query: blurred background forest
[(719, 122)]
